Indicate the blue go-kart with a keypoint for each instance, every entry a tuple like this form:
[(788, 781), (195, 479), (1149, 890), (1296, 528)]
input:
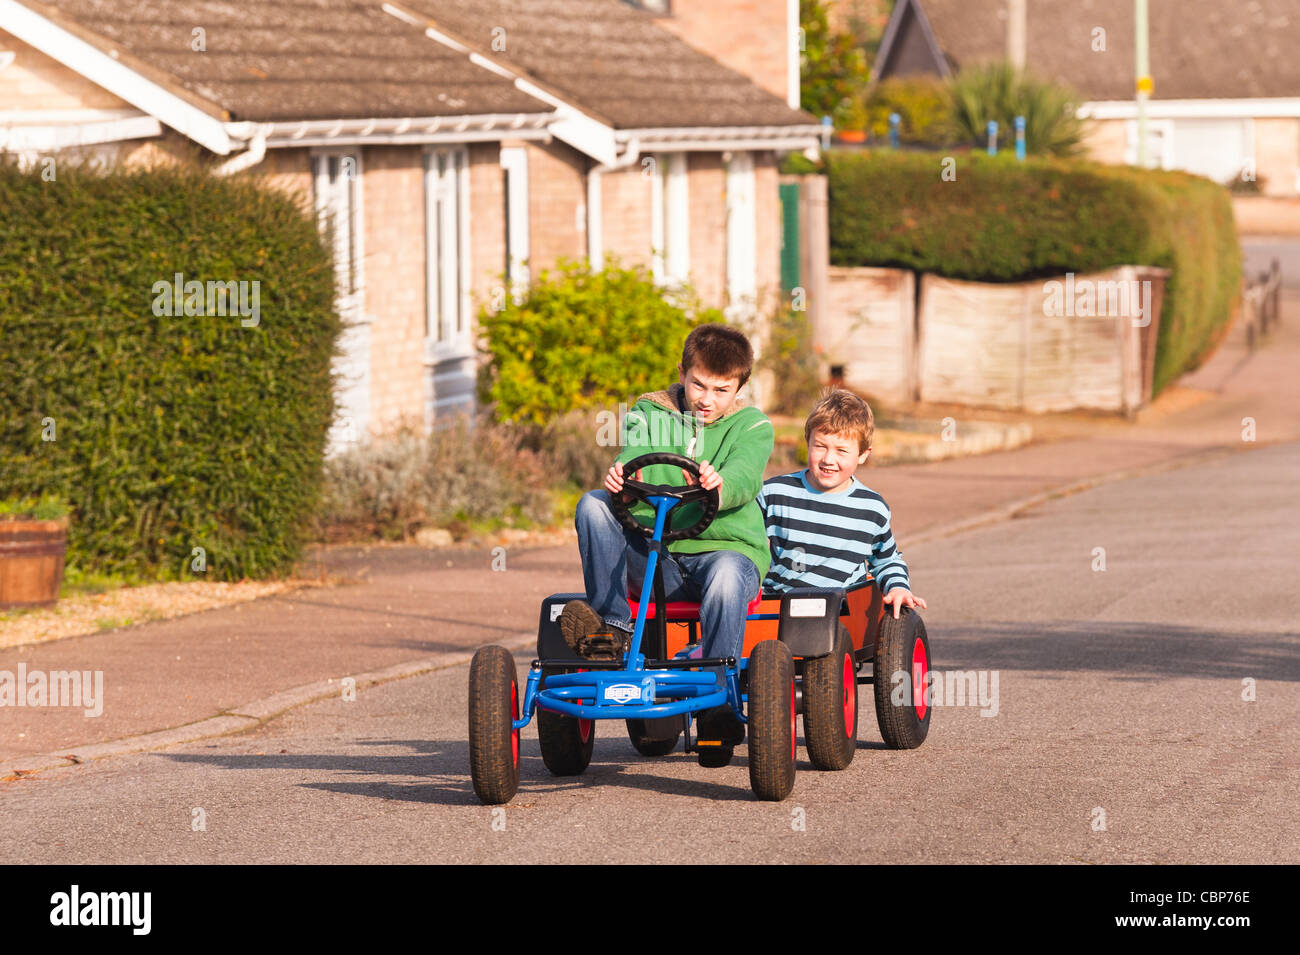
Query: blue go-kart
[(802, 653)]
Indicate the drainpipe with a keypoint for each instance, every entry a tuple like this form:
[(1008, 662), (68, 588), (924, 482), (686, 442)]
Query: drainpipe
[(595, 247), (255, 135)]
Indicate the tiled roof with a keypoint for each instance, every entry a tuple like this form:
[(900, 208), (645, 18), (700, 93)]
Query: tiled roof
[(1199, 49)]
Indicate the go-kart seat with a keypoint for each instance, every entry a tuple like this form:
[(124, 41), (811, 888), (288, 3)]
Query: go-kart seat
[(682, 609)]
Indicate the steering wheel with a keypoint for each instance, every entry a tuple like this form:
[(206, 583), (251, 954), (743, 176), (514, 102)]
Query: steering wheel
[(640, 491)]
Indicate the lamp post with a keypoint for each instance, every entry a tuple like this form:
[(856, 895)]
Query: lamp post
[(1144, 82)]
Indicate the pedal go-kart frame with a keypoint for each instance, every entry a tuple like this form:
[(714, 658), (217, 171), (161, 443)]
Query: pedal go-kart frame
[(802, 650)]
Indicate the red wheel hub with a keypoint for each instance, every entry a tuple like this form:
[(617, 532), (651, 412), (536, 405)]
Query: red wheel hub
[(920, 667), (850, 680), (584, 730)]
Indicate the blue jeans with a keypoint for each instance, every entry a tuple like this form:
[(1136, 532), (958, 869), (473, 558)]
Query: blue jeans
[(723, 582)]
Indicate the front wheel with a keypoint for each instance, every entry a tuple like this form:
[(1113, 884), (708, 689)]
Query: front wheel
[(771, 714), (900, 670), (493, 740), (566, 741), (830, 706)]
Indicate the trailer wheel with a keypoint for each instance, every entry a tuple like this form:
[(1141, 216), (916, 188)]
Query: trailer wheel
[(830, 706), (902, 648)]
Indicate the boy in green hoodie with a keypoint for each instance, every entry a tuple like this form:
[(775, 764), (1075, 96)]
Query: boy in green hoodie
[(702, 418)]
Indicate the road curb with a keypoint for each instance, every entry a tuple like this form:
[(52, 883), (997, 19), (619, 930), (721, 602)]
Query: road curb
[(239, 719)]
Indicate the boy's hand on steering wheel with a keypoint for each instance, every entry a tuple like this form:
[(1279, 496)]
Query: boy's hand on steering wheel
[(709, 478), (614, 479)]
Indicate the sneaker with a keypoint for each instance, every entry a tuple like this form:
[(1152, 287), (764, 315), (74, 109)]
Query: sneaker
[(589, 636), (717, 733)]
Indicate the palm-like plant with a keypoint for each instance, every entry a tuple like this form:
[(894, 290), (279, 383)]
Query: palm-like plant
[(1001, 92)]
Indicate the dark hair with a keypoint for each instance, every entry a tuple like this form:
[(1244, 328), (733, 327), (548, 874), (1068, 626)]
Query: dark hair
[(842, 412), (719, 350)]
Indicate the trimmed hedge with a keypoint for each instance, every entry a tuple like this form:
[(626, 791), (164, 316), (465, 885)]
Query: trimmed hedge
[(1006, 221), (170, 432)]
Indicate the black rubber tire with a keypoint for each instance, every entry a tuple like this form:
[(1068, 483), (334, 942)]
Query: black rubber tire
[(564, 750), (900, 726), (715, 757), (649, 745), (826, 706), (771, 715), (493, 742)]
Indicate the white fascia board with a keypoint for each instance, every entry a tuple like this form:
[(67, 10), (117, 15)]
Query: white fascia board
[(1280, 107), (105, 71), (487, 127), (64, 135), (791, 144), (713, 138)]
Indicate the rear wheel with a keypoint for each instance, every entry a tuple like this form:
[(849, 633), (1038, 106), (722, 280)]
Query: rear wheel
[(830, 706), (652, 737), (902, 661), (566, 741), (771, 715), (493, 740)]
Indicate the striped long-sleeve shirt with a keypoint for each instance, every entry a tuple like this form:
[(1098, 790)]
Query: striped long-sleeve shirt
[(828, 540)]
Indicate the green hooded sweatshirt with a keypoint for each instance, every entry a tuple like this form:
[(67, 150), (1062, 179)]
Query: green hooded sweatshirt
[(737, 444)]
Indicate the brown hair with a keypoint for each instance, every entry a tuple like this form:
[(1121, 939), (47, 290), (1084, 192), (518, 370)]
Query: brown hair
[(718, 350), (842, 412)]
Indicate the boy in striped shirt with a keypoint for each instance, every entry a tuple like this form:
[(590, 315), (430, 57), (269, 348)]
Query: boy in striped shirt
[(826, 528)]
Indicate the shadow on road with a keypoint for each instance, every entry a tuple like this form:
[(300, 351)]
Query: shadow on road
[(1127, 650)]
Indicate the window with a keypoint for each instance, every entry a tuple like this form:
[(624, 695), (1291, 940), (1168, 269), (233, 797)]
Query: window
[(338, 207), (337, 180), (446, 223), (514, 165), (742, 249), (670, 220)]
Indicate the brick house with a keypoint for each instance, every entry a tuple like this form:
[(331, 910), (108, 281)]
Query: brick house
[(455, 145), (1226, 102)]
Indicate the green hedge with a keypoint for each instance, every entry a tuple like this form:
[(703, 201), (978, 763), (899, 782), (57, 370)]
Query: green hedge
[(1005, 221), (170, 432)]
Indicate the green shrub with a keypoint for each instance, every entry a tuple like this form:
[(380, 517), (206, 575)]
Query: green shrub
[(924, 107), (789, 357), (467, 470), (582, 339), (164, 432), (999, 91), (1005, 221)]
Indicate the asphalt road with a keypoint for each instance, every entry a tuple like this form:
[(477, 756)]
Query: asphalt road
[(1121, 733)]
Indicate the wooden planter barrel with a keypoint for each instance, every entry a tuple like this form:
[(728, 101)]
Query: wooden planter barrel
[(31, 562)]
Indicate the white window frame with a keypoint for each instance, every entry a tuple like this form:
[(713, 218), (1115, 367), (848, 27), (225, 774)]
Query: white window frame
[(351, 300), (352, 366), (514, 160), (670, 220), (447, 308), (742, 239)]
